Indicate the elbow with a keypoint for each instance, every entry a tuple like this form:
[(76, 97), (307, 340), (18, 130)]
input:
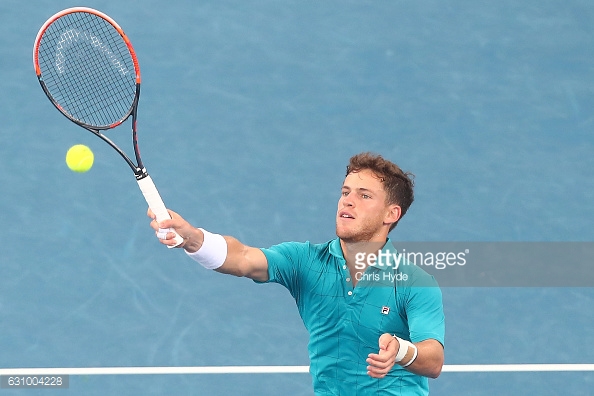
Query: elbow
[(244, 270), (432, 368), (428, 369), (435, 362), (230, 270), (434, 372)]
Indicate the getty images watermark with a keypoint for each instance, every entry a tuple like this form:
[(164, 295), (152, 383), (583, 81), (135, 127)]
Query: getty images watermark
[(387, 258), (481, 264), (395, 259)]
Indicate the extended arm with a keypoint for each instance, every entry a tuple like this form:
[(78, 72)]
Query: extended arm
[(240, 260)]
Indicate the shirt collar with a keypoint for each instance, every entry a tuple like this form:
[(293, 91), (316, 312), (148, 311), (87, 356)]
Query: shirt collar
[(336, 250)]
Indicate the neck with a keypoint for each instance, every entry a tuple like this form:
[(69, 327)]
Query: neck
[(357, 254)]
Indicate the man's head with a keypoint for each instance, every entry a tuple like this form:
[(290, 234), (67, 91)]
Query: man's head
[(375, 195)]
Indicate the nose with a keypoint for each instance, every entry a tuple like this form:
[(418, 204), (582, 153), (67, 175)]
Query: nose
[(347, 201)]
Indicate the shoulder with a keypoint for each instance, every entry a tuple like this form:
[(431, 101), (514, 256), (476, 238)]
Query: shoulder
[(290, 262), (297, 251), (415, 284), (417, 276)]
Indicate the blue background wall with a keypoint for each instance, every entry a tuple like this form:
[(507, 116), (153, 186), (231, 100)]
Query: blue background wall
[(248, 115)]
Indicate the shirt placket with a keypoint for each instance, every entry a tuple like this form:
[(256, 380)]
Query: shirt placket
[(346, 277)]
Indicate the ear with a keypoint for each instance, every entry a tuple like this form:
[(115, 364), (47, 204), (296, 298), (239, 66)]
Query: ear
[(393, 214)]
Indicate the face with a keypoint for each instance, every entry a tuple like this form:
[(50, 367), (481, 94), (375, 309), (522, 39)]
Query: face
[(363, 212)]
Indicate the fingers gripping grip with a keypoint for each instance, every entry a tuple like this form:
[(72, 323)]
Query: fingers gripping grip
[(154, 201)]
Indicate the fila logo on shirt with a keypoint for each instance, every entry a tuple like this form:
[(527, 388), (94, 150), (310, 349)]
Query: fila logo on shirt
[(385, 310)]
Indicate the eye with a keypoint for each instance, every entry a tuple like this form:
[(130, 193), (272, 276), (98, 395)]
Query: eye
[(344, 193), (365, 196)]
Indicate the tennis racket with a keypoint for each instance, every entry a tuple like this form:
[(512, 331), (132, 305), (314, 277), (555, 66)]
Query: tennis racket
[(88, 69)]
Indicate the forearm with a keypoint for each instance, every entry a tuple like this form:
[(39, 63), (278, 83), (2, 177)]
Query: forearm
[(429, 361), (224, 254), (237, 258), (244, 261)]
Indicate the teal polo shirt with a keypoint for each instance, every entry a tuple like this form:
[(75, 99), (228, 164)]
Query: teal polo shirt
[(345, 322)]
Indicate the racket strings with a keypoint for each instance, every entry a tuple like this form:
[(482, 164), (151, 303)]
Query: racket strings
[(88, 69)]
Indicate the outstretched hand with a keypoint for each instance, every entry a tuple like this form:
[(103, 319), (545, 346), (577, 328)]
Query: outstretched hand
[(192, 236), (382, 362)]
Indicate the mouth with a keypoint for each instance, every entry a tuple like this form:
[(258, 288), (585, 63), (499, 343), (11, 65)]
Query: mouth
[(345, 215)]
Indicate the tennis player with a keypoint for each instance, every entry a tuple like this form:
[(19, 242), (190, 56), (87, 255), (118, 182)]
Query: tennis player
[(375, 328)]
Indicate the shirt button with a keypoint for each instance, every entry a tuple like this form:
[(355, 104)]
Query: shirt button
[(344, 267), (348, 279), (350, 293)]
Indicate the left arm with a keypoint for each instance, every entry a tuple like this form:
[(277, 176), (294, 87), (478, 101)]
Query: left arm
[(428, 363), (426, 321)]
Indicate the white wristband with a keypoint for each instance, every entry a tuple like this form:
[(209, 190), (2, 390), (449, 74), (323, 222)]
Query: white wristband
[(212, 253), (403, 348), (413, 358)]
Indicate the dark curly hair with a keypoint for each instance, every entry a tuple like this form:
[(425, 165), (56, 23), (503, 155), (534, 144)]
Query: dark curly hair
[(397, 183)]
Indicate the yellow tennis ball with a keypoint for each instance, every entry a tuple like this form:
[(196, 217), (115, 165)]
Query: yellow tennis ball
[(79, 158)]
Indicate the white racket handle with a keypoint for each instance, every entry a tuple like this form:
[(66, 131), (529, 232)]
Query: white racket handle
[(154, 201)]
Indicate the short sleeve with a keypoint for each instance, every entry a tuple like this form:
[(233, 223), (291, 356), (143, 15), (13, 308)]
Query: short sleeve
[(284, 263), (424, 310)]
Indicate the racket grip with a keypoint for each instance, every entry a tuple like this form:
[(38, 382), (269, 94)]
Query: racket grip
[(154, 201)]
